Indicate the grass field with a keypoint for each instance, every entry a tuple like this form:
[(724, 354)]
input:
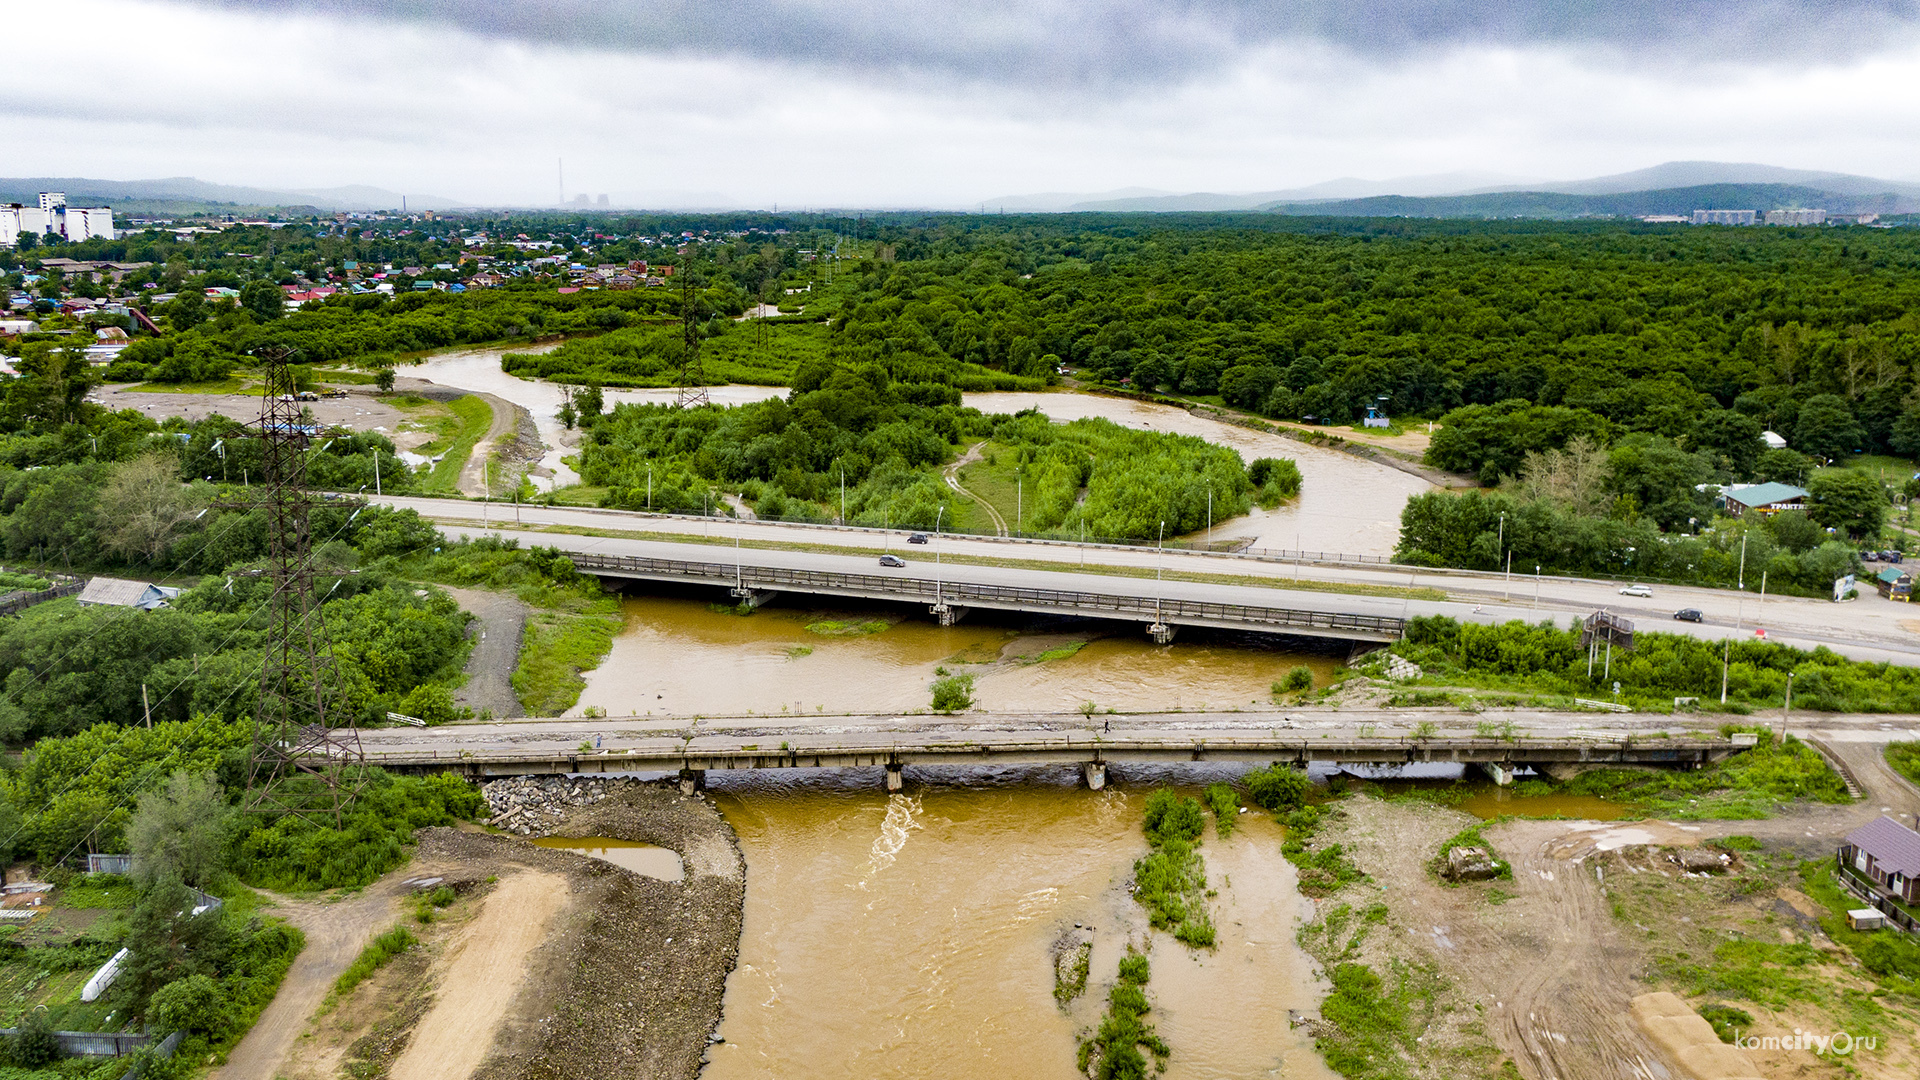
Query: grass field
[(558, 646), (467, 422)]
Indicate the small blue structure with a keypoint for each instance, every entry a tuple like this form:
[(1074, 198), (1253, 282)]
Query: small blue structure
[(1375, 418)]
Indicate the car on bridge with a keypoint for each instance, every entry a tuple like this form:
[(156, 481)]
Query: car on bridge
[(892, 560), (1691, 614), (917, 538), (1642, 591)]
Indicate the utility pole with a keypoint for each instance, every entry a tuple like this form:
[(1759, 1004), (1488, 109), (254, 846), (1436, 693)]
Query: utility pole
[(1536, 586), (1726, 657), (1509, 596), (942, 513), (1159, 583)]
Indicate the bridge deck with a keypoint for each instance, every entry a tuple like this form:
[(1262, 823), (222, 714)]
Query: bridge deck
[(1175, 611), (1065, 747)]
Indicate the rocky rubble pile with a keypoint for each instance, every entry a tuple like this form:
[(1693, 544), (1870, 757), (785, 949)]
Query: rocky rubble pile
[(530, 805)]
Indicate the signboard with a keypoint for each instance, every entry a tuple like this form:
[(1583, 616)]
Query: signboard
[(1842, 586)]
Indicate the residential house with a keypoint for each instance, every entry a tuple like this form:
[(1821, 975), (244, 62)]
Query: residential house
[(118, 592), (1762, 499), (1885, 855)]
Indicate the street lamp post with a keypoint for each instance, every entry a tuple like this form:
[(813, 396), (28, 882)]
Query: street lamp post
[(1159, 583), (936, 554)]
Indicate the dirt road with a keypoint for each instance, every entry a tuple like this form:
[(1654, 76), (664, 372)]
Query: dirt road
[(496, 651), (506, 422), (953, 481), (489, 963), (336, 932)]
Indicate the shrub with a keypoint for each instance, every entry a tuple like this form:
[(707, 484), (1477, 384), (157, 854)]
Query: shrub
[(193, 1004), (1297, 679), (1278, 787), (1726, 1020), (1173, 817), (34, 1044), (953, 693), (378, 954), (1225, 804)]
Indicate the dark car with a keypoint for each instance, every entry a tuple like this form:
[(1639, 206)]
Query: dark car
[(917, 538), (1688, 614), (892, 560)]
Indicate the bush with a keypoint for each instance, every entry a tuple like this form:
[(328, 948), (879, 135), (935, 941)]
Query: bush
[(1298, 678), (1278, 787), (34, 1044), (1726, 1020), (1225, 804), (194, 1004), (953, 693), (1170, 816)]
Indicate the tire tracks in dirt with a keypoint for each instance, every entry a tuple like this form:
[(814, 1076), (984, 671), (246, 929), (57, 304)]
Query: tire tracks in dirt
[(952, 474)]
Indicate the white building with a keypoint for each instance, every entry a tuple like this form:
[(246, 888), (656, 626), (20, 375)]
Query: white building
[(1725, 217), (87, 222), (9, 225), (1796, 217), (52, 200)]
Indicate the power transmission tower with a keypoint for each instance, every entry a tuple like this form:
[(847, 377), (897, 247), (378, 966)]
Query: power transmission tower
[(693, 382), (301, 762)]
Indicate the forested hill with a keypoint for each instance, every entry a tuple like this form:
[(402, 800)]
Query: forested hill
[(1556, 205)]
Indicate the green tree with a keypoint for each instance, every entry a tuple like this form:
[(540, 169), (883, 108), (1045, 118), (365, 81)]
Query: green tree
[(187, 310), (166, 942), (1659, 477), (383, 378), (179, 831), (143, 508), (1782, 466), (1730, 439), (1847, 500), (34, 1043), (1827, 427), (264, 300)]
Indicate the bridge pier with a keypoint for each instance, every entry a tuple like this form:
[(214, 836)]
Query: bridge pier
[(693, 781), (948, 614), (1095, 773), (895, 781), (1502, 774), (1161, 633), (751, 599)]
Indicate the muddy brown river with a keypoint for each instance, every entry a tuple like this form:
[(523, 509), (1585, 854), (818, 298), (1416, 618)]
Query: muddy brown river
[(909, 936), (679, 655)]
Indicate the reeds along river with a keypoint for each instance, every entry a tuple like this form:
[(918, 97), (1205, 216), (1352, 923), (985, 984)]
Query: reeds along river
[(909, 936)]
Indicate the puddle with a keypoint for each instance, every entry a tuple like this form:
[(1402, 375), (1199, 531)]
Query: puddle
[(647, 860)]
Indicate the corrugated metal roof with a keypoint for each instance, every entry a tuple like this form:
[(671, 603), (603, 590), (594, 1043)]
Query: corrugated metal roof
[(115, 591), (1894, 846), (1766, 494)]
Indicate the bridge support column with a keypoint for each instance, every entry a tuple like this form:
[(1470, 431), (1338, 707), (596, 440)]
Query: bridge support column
[(948, 614), (693, 781), (895, 781), (751, 599), (1161, 633), (1096, 774), (1502, 774)]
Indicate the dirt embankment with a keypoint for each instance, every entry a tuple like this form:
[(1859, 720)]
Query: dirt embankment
[(549, 964), (631, 978)]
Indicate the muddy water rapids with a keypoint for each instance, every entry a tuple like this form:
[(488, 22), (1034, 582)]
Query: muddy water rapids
[(910, 936)]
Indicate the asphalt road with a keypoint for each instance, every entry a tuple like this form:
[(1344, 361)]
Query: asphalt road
[(1869, 628)]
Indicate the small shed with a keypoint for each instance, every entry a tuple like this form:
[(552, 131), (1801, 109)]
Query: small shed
[(119, 592), (1894, 584), (1773, 440), (1865, 918), (1885, 855)]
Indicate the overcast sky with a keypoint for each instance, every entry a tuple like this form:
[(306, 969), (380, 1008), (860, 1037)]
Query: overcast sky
[(948, 102)]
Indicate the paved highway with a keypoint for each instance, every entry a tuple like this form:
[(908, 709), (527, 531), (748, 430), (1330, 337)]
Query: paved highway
[(1869, 628)]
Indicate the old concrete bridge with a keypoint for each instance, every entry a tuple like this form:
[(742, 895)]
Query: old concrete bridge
[(692, 754)]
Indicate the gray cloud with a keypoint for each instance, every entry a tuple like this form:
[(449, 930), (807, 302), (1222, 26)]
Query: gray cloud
[(1104, 43)]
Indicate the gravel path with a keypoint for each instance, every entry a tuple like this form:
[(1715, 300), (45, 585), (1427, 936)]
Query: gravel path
[(502, 620)]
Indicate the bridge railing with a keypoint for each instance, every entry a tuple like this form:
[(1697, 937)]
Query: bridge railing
[(967, 592)]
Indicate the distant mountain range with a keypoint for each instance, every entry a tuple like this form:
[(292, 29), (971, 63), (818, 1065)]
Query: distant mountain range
[(1677, 187), (184, 194)]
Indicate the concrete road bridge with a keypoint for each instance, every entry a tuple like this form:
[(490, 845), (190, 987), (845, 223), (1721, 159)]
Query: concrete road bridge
[(515, 748), (754, 576)]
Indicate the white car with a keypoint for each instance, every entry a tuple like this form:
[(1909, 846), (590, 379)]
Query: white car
[(1637, 590)]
